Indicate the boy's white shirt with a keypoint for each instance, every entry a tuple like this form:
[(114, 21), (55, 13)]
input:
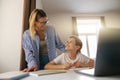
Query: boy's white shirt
[(64, 58)]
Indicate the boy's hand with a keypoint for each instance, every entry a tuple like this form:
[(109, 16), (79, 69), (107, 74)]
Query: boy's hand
[(67, 66), (76, 64)]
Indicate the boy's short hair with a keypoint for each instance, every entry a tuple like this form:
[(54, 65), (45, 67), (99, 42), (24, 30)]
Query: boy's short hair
[(78, 42)]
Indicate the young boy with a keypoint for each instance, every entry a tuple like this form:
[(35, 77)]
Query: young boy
[(73, 58)]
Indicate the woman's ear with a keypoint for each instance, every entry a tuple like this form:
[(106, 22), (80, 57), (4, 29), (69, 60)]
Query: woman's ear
[(35, 22)]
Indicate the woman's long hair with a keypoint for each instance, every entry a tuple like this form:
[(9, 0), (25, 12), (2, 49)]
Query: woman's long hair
[(35, 16)]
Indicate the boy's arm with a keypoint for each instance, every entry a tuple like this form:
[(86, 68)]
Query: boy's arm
[(90, 63), (52, 65), (78, 64)]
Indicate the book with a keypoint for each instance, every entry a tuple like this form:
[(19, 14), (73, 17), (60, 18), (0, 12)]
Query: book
[(13, 75), (83, 68), (46, 72)]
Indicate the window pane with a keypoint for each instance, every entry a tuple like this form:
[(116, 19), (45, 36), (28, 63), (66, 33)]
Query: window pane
[(88, 26), (84, 49), (87, 30), (92, 41)]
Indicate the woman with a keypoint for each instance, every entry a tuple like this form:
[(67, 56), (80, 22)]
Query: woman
[(40, 41)]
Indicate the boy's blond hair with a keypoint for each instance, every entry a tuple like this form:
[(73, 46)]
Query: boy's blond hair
[(78, 42)]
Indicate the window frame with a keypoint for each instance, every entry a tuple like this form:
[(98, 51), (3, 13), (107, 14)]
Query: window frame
[(102, 22)]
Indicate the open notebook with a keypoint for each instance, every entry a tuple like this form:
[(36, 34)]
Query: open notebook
[(108, 54), (46, 72), (49, 72)]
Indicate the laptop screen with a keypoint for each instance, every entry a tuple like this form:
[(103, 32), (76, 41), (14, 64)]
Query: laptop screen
[(108, 52)]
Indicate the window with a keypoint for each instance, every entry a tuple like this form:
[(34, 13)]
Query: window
[(87, 29)]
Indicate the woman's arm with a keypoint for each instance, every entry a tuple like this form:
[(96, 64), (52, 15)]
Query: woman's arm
[(29, 56)]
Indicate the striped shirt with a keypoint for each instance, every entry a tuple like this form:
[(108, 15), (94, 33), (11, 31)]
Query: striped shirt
[(31, 47)]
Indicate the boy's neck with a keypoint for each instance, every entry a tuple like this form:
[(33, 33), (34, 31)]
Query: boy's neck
[(72, 55)]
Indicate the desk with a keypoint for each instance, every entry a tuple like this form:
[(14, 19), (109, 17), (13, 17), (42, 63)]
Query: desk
[(70, 75)]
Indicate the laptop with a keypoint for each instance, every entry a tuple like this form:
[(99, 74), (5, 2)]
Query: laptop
[(108, 54)]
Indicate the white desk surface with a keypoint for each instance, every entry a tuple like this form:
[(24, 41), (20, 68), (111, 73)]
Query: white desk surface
[(70, 75)]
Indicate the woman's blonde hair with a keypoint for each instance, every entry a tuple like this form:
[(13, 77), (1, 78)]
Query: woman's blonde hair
[(34, 16), (78, 42)]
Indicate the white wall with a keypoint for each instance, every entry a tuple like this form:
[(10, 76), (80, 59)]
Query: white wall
[(10, 34), (113, 20), (39, 4), (63, 22)]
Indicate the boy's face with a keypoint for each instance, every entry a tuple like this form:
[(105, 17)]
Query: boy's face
[(70, 45)]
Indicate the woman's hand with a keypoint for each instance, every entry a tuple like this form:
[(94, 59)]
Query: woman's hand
[(33, 68)]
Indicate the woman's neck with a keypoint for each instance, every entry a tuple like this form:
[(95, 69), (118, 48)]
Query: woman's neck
[(41, 35)]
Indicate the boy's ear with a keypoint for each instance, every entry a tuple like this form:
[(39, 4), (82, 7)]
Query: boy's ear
[(78, 47)]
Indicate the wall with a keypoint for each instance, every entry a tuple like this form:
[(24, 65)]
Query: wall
[(39, 4), (63, 22), (10, 34), (113, 20)]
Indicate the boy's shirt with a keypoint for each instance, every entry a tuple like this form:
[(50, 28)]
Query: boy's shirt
[(64, 58)]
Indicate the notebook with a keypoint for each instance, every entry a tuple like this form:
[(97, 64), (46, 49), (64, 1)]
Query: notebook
[(13, 75), (46, 72), (108, 54)]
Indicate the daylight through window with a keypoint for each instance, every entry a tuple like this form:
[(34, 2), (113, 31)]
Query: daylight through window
[(87, 29)]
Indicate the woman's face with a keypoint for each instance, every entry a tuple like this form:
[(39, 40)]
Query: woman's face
[(40, 24)]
